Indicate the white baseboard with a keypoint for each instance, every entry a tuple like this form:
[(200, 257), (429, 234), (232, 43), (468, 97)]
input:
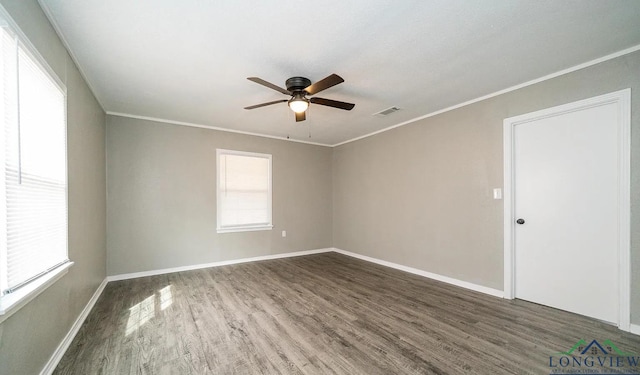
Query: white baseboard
[(430, 275), (64, 345), (634, 328), (134, 275)]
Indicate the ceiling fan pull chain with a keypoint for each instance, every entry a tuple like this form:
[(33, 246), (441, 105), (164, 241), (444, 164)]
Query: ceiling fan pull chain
[(309, 110)]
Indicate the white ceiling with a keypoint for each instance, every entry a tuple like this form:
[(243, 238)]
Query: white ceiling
[(188, 60)]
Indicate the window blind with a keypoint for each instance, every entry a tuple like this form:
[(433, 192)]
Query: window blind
[(34, 186), (244, 190)]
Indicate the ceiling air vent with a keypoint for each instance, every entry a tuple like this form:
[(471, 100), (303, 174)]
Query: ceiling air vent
[(387, 112)]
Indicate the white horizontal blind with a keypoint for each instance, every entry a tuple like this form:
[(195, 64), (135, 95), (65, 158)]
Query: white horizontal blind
[(244, 190), (34, 195)]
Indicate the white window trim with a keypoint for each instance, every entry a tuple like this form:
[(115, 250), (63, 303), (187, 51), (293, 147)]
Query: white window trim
[(252, 228), (243, 228), (33, 52), (12, 302)]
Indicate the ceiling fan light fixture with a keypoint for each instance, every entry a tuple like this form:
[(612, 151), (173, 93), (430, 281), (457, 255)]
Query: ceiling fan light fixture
[(298, 88), (298, 103)]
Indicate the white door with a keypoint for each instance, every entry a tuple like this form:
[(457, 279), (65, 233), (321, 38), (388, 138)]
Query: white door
[(566, 191)]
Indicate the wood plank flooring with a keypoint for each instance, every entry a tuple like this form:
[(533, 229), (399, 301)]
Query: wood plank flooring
[(319, 314)]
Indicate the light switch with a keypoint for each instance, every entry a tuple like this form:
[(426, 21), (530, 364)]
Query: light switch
[(284, 233), (497, 193)]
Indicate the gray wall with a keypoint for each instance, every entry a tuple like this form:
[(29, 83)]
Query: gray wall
[(162, 196), (30, 336), (421, 195)]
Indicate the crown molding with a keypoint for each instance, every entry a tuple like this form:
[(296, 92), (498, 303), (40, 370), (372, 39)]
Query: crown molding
[(497, 93), (190, 124)]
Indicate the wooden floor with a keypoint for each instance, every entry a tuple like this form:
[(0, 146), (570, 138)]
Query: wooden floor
[(319, 314)]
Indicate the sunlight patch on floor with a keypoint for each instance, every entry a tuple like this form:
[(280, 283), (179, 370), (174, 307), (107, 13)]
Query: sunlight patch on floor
[(166, 298), (142, 312)]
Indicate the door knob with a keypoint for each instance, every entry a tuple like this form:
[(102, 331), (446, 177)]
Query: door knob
[(520, 221)]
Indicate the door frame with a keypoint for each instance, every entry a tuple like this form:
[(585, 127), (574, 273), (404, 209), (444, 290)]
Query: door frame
[(622, 99)]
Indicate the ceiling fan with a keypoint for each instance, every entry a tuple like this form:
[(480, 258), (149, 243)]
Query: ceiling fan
[(298, 88)]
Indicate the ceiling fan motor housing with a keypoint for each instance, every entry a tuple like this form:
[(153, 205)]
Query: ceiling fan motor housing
[(297, 84)]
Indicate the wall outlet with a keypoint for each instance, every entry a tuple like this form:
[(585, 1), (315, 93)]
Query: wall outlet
[(284, 233)]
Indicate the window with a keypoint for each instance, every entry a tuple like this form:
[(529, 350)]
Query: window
[(33, 173), (244, 191)]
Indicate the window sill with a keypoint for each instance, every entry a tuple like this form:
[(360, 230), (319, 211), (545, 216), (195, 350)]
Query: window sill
[(11, 303), (245, 229)]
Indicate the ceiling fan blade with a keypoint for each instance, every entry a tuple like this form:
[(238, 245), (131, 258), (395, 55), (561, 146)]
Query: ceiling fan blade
[(324, 84), (300, 116), (265, 104), (333, 103), (268, 84)]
